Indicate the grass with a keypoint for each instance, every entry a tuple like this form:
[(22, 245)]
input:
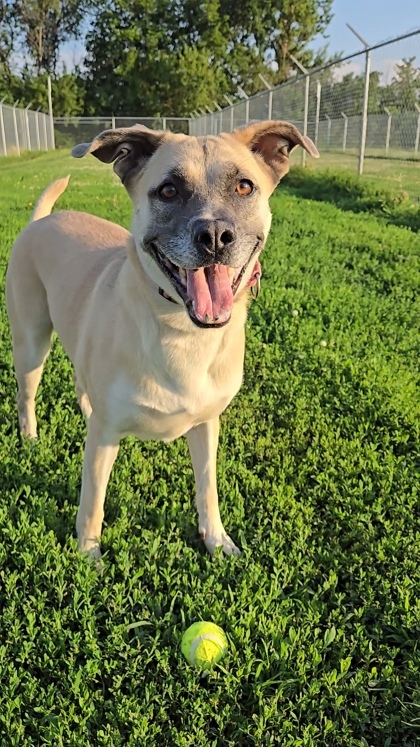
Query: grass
[(399, 170), (319, 482), (364, 194)]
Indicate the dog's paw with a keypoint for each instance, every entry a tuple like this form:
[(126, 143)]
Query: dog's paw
[(93, 554), (28, 429), (214, 540)]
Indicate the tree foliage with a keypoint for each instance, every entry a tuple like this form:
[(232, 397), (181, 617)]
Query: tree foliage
[(170, 57), (42, 26), (406, 83), (161, 56)]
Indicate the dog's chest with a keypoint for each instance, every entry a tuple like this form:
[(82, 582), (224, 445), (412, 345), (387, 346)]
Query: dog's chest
[(163, 408)]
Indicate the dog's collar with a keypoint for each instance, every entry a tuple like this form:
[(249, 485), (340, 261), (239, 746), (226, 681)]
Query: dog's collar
[(166, 295), (254, 283)]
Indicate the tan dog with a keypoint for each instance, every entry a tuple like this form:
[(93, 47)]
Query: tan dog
[(153, 322)]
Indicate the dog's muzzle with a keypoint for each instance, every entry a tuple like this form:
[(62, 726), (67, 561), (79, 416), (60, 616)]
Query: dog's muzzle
[(207, 291)]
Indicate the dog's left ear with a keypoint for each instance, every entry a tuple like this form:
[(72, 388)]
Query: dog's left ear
[(129, 148), (274, 141)]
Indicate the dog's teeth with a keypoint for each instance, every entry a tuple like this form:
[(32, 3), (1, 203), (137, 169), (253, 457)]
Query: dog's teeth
[(207, 319), (231, 272), (183, 274)]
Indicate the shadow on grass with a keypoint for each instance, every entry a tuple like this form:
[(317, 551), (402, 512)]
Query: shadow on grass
[(398, 159), (350, 192)]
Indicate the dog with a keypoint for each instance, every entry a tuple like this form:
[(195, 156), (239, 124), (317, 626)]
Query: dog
[(153, 320)]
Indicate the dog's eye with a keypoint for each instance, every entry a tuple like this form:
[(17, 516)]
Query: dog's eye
[(245, 187), (168, 191)]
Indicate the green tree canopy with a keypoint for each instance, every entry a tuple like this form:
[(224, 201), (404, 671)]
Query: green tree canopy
[(171, 56), (41, 26)]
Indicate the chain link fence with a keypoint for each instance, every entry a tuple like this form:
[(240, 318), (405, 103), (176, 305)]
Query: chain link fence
[(72, 130), (23, 129), (362, 112)]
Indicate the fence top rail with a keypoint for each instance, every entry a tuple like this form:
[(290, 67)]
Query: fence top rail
[(362, 51), (101, 118), (21, 108), (140, 116)]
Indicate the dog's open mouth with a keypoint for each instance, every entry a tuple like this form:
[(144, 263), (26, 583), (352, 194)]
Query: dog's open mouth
[(207, 292)]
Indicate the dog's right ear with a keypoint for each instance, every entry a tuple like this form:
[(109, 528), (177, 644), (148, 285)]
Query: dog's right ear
[(129, 148)]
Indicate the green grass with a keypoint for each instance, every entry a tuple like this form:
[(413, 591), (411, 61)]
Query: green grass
[(360, 194), (319, 482), (399, 170)]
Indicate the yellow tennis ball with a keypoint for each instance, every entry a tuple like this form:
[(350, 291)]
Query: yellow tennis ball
[(203, 644)]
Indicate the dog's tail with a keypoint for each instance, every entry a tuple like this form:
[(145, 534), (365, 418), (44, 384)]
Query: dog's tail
[(49, 196)]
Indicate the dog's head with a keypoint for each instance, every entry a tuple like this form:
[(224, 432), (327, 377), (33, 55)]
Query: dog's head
[(201, 213)]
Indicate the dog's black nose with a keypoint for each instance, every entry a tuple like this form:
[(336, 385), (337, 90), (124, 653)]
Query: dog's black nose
[(213, 236)]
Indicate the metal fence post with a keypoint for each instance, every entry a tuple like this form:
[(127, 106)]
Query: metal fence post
[(163, 123), (50, 111), (416, 144), (363, 128), (246, 97), (2, 132), (306, 101), (196, 127), (318, 109), (270, 104), (212, 120), (218, 118), (230, 102), (112, 122), (305, 116), (270, 96), (20, 118), (44, 123), (28, 132), (346, 124), (15, 127), (388, 129), (38, 141), (364, 115), (328, 130)]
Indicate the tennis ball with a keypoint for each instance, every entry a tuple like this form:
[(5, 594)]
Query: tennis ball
[(203, 644)]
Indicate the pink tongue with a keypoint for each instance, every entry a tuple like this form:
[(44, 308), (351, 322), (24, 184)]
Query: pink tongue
[(211, 292)]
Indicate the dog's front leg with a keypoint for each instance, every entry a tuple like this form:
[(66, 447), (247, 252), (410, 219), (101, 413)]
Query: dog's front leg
[(203, 441), (100, 454)]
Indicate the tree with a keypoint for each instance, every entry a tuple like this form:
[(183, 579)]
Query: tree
[(6, 47), (138, 60), (41, 26), (278, 28), (163, 57), (405, 85), (172, 56)]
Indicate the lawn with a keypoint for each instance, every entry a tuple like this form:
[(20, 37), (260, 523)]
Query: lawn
[(397, 170), (319, 482)]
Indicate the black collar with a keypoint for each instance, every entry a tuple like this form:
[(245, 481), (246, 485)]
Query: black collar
[(166, 295)]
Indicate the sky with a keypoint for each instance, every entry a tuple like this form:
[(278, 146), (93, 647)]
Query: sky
[(374, 20)]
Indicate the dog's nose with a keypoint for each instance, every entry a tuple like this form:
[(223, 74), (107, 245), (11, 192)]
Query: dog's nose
[(213, 235)]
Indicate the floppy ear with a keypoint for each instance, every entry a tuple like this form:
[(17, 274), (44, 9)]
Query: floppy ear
[(274, 141), (128, 147)]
